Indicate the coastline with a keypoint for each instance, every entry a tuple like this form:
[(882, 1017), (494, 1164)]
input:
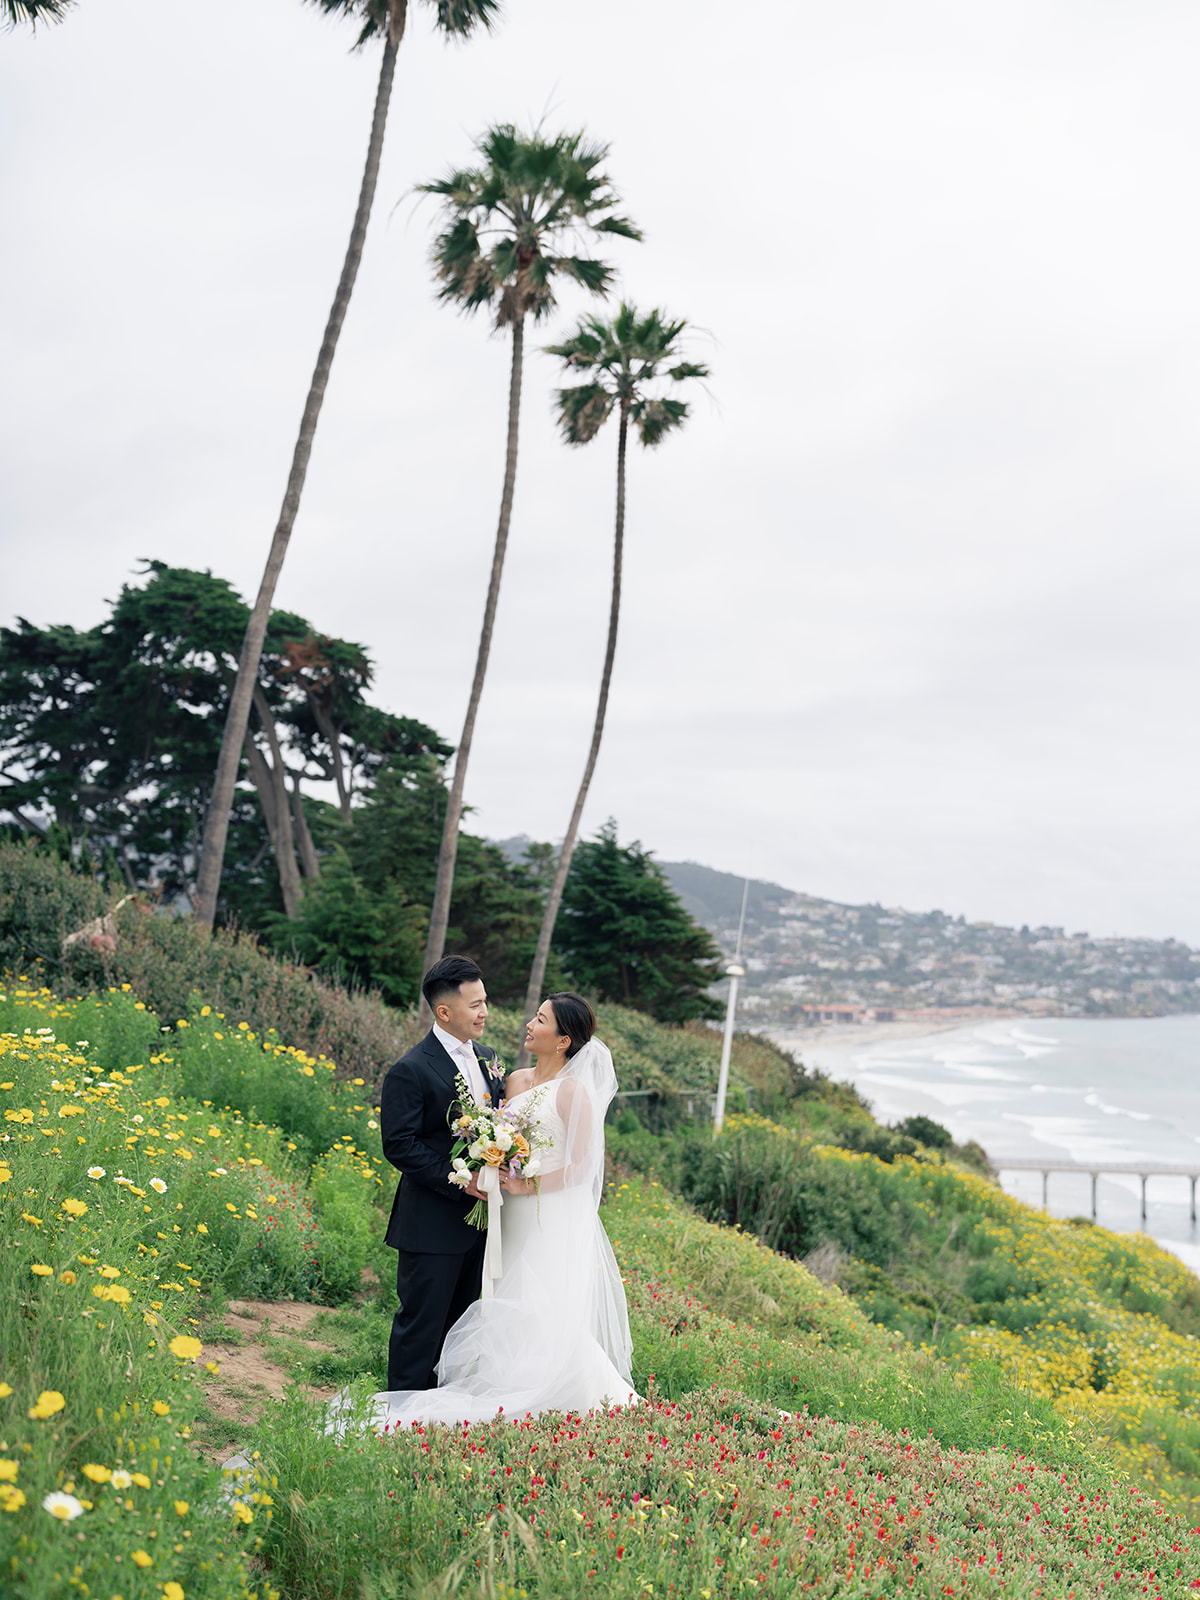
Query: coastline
[(841, 1033), (1052, 1087)]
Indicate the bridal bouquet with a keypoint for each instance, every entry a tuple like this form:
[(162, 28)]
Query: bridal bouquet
[(493, 1138)]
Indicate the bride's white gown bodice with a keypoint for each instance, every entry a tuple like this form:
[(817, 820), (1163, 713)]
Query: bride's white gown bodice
[(546, 1339)]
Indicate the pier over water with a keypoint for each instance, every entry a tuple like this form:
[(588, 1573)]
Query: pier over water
[(1140, 1169)]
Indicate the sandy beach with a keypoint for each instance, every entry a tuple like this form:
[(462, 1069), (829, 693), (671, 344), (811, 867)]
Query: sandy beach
[(798, 1041)]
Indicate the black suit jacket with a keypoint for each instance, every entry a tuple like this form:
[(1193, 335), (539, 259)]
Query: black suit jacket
[(429, 1212)]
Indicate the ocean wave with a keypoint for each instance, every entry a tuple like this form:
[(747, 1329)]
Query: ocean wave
[(1093, 1099), (1070, 1139)]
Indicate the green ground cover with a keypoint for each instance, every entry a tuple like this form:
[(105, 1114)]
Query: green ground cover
[(1101, 1326), (146, 1176)]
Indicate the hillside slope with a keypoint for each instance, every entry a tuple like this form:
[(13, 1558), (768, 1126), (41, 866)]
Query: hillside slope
[(785, 1441)]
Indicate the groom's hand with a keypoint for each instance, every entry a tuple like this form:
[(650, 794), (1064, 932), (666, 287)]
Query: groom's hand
[(474, 1190)]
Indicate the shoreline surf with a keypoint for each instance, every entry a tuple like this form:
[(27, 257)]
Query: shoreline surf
[(1120, 1089)]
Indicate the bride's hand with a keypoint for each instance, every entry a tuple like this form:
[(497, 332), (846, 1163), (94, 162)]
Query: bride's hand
[(511, 1184)]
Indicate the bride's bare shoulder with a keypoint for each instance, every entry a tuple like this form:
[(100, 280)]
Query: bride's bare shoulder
[(517, 1082)]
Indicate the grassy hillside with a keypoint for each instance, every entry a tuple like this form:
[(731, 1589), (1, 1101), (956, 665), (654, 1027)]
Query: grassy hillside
[(1104, 1326), (146, 1176)]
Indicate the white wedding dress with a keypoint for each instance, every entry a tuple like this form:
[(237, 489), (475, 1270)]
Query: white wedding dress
[(553, 1333)]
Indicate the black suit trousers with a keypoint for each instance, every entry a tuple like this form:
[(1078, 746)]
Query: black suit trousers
[(434, 1291)]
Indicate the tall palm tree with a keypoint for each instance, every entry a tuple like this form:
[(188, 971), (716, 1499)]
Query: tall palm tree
[(33, 11), (509, 222), (380, 19), (631, 359)]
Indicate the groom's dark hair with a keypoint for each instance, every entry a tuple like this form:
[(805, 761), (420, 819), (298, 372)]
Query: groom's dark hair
[(447, 976)]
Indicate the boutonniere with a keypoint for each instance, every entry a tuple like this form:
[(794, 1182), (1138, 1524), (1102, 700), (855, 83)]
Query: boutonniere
[(493, 1067)]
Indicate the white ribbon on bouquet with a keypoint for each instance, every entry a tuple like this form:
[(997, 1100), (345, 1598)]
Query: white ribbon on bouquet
[(493, 1262)]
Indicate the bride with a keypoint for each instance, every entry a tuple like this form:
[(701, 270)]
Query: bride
[(552, 1330)]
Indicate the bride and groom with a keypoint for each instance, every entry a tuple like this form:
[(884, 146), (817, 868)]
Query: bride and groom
[(552, 1330)]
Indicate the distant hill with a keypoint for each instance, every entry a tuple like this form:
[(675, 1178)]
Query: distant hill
[(715, 897), (805, 956)]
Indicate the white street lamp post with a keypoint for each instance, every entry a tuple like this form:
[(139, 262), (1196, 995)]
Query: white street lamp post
[(734, 972)]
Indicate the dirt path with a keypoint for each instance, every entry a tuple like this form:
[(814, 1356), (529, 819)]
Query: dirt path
[(249, 1374)]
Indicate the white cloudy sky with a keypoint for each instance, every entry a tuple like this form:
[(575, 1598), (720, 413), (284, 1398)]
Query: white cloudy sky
[(909, 607)]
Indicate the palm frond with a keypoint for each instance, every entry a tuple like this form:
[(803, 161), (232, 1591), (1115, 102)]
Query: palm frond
[(455, 18), (633, 355), (33, 11), (458, 18), (620, 226), (530, 199), (654, 419), (583, 411)]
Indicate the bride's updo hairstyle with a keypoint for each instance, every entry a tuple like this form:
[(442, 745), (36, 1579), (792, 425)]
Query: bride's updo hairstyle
[(573, 1017)]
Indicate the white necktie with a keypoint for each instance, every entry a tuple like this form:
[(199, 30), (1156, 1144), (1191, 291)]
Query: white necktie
[(473, 1074)]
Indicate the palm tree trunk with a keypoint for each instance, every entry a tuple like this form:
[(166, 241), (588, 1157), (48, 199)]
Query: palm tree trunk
[(439, 917), (541, 955), (216, 823)]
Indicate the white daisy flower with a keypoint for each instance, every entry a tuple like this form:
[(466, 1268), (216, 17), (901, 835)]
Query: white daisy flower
[(120, 1479), (96, 1172), (63, 1506), (158, 1186)]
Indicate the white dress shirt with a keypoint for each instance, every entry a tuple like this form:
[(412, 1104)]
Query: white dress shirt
[(465, 1061)]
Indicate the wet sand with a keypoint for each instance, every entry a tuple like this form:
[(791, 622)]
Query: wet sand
[(799, 1040)]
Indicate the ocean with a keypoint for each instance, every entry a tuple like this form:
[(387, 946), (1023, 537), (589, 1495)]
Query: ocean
[(1094, 1090)]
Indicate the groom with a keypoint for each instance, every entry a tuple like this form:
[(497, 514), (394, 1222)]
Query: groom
[(440, 1265)]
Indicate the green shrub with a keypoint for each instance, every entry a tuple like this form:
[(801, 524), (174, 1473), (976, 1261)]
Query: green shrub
[(172, 964), (42, 901)]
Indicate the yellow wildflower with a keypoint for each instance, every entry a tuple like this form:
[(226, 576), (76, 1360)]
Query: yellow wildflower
[(161, 1408), (48, 1403), (67, 1277), (41, 1271), (97, 1473), (181, 1508), (140, 1558), (185, 1347), (8, 1471), (140, 1478)]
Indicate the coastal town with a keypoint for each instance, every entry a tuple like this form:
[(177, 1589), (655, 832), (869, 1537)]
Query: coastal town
[(812, 961)]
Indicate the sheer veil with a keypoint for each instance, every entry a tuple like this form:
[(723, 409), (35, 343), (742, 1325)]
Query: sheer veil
[(585, 1091)]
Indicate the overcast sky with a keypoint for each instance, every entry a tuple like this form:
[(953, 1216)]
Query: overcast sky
[(909, 606)]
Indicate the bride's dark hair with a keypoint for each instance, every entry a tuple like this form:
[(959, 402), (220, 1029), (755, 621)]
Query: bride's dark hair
[(574, 1017)]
